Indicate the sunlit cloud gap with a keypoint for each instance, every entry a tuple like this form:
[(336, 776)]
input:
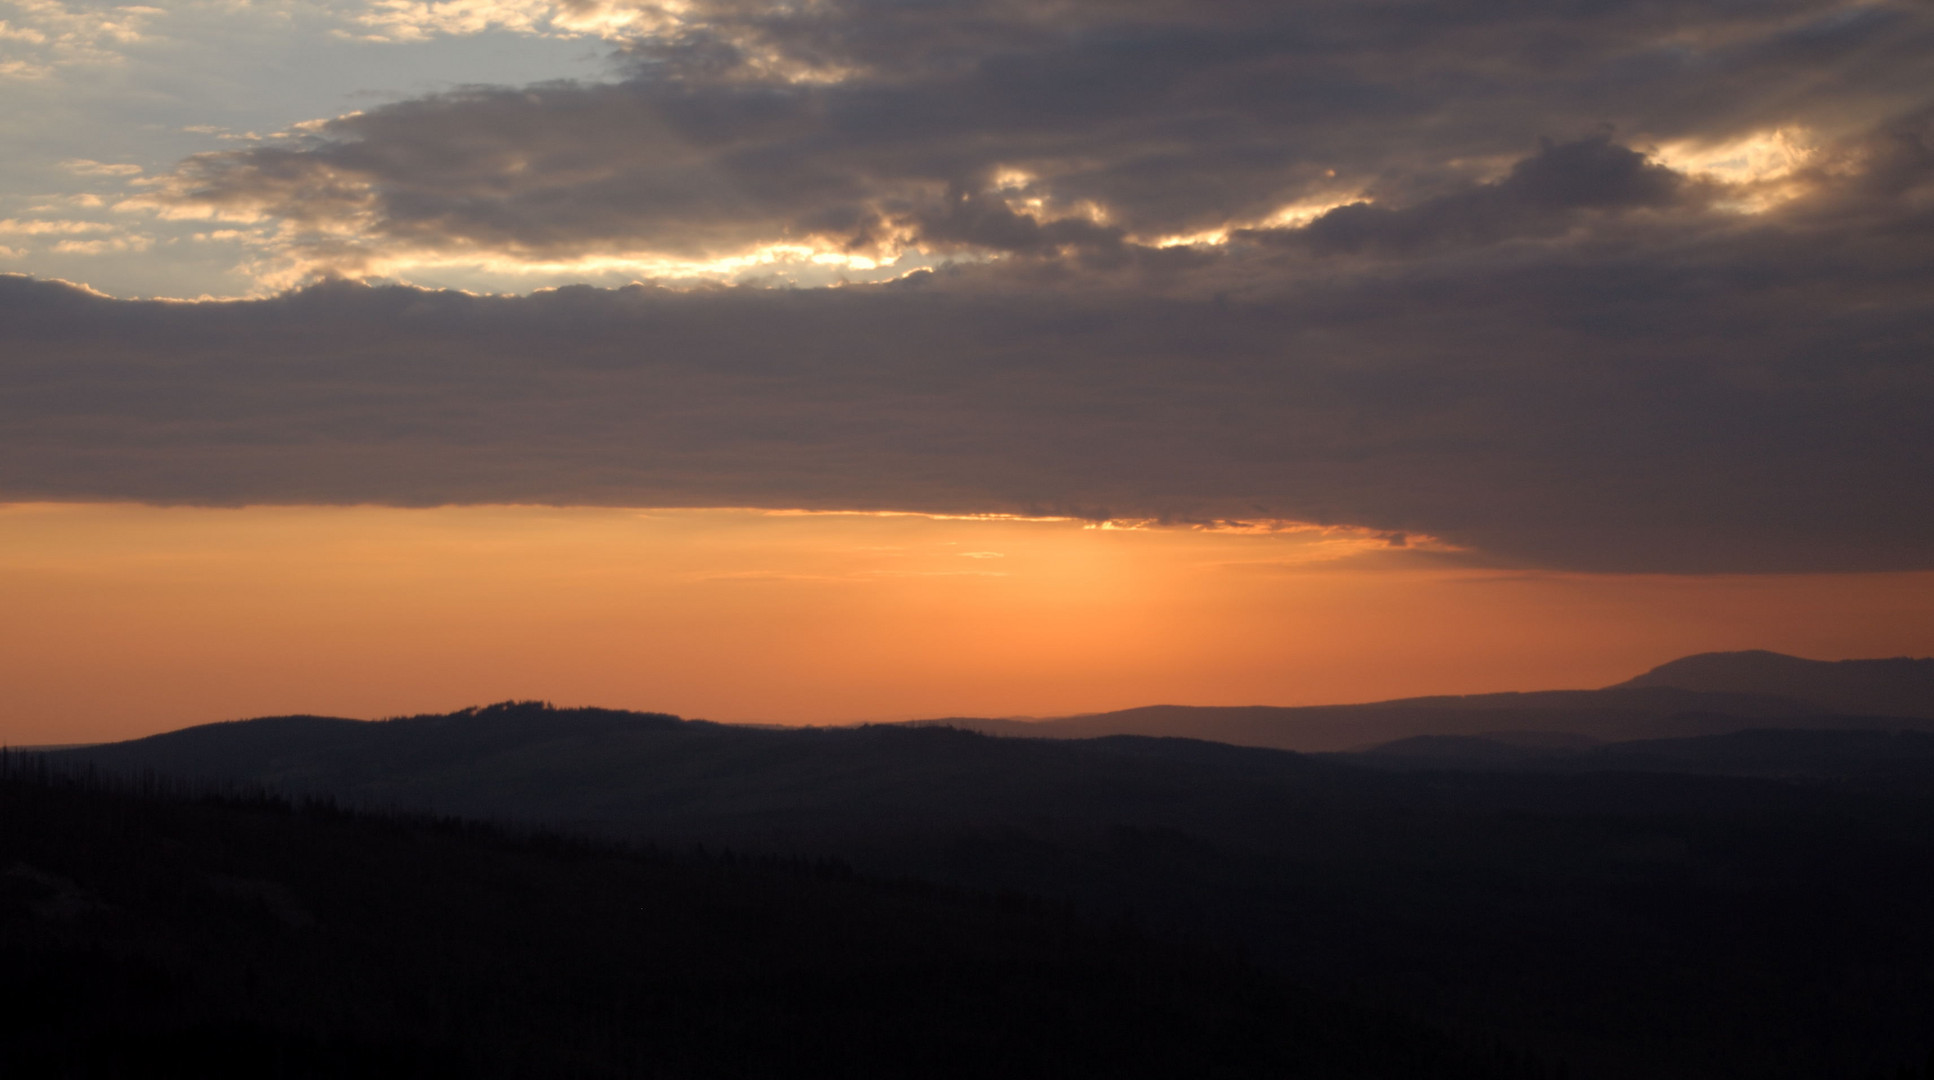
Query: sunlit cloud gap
[(770, 257), (1263, 527), (1356, 538), (415, 20), (294, 236), (1757, 171)]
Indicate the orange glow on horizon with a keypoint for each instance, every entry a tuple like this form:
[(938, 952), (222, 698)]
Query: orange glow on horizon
[(126, 620)]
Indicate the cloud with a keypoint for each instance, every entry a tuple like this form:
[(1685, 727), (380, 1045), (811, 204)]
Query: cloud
[(115, 246), (1608, 286), (85, 167), (42, 36), (1680, 391), (1543, 195), (50, 226), (868, 128), (415, 20)]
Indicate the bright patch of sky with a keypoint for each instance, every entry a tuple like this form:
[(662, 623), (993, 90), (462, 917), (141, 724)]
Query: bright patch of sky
[(97, 97)]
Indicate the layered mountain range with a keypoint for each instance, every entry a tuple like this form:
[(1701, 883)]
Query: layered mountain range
[(1717, 869), (1706, 694)]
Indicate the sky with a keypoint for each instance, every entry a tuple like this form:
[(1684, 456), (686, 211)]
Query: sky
[(827, 360)]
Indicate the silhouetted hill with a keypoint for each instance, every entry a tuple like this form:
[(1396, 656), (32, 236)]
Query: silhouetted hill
[(1632, 919), (1865, 757), (780, 789), (1603, 715), (1708, 694), (1460, 751), (1876, 758), (1897, 687), (145, 934)]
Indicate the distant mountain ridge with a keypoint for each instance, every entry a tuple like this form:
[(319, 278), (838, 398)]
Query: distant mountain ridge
[(1899, 686), (1729, 866), (1607, 893), (1707, 694)]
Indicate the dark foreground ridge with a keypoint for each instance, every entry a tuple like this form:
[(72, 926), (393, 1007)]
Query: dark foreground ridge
[(1674, 909), (145, 931)]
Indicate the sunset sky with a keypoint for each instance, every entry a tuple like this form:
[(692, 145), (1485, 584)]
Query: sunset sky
[(833, 360)]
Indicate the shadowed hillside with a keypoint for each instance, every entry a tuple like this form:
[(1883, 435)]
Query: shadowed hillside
[(1630, 919), (1877, 760), (150, 934)]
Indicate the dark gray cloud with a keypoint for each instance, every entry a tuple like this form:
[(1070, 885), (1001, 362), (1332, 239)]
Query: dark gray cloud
[(1542, 196), (1678, 390), (1171, 118), (1541, 324)]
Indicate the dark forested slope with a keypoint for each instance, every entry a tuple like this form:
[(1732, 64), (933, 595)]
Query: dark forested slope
[(143, 934), (1876, 760), (1632, 919)]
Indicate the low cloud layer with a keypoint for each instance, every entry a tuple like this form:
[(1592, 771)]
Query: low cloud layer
[(1614, 286), (1757, 400)]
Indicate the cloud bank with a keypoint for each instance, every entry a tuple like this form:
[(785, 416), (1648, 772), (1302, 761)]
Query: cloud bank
[(866, 128), (1757, 402), (1609, 285)]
